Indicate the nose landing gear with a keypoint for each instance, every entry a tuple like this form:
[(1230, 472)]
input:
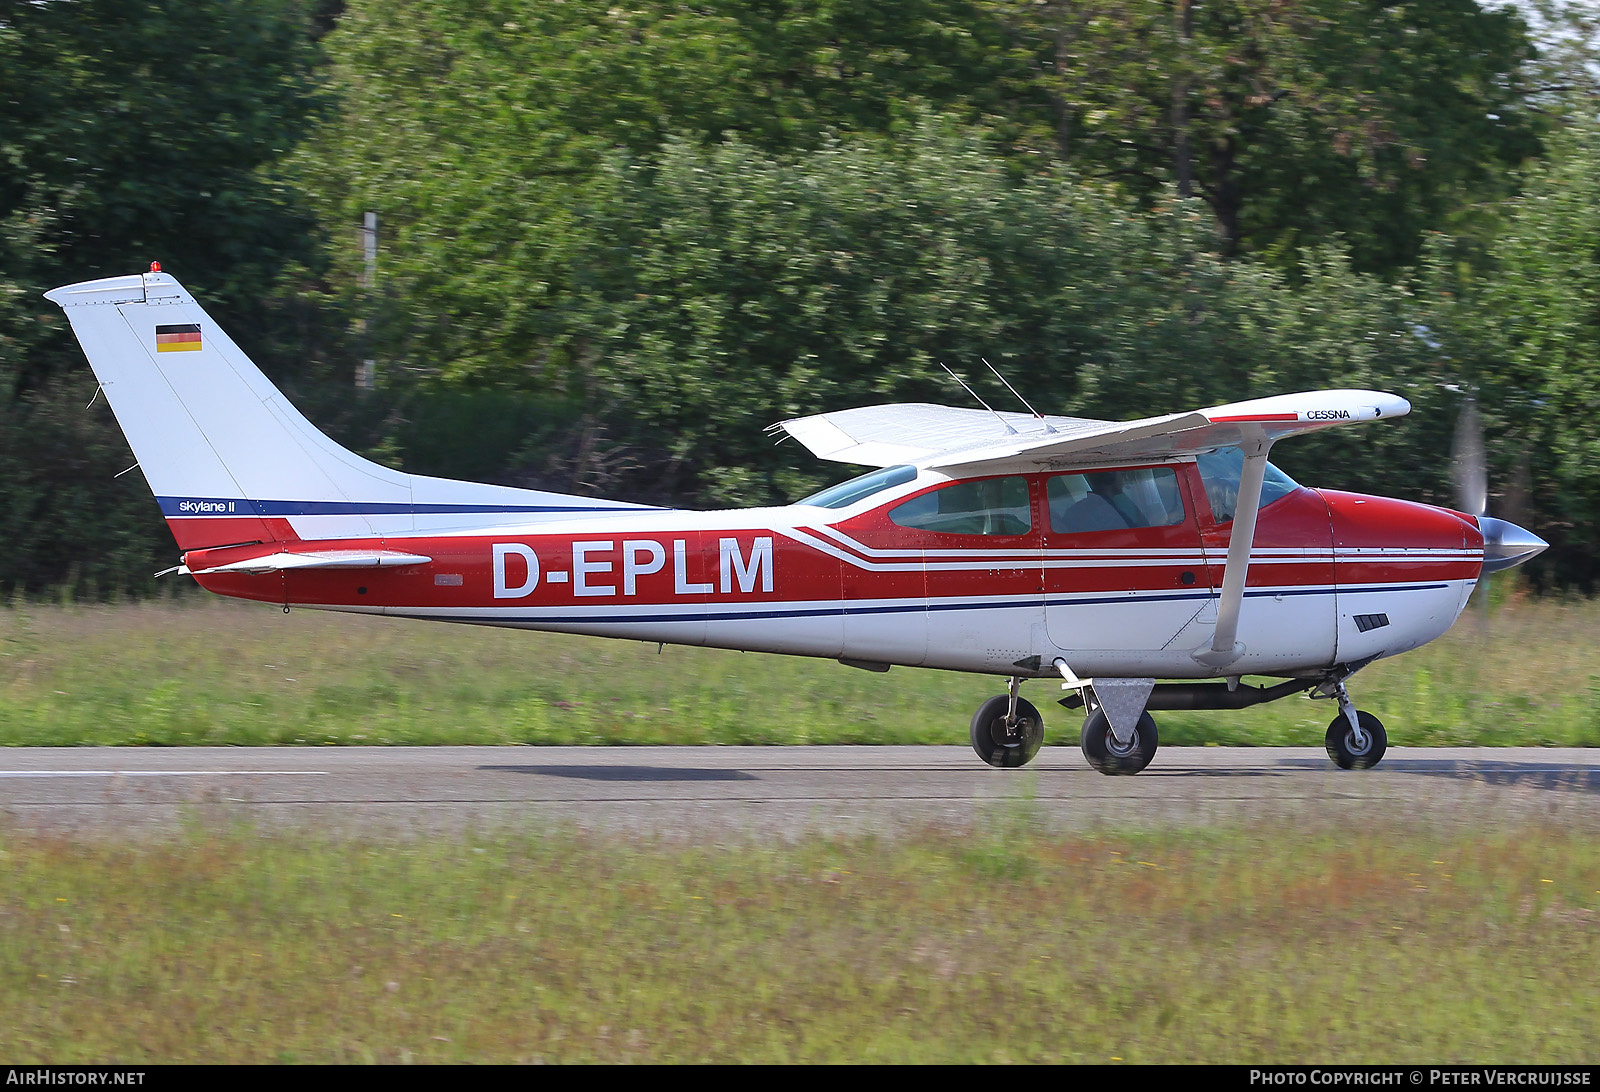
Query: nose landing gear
[(1356, 739)]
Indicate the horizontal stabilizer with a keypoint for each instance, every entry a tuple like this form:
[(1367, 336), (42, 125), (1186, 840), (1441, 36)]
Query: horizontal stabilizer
[(320, 559)]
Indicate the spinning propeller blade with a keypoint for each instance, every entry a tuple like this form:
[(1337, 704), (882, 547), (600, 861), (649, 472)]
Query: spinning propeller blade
[(1505, 545), (1467, 464)]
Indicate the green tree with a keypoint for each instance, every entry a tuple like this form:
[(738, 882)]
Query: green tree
[(136, 129), (1298, 122), (131, 130), (1564, 78), (726, 288), (1187, 327), (474, 130), (1531, 340)]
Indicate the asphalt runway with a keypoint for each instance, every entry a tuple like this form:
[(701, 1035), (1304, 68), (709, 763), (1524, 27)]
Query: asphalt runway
[(770, 792)]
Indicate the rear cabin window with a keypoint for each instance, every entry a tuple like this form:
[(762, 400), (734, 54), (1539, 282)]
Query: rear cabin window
[(1113, 500), (847, 493), (994, 506)]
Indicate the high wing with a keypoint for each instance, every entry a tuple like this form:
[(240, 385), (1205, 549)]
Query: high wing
[(947, 438)]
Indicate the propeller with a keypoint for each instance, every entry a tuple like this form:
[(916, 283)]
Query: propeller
[(1504, 543), (1468, 466)]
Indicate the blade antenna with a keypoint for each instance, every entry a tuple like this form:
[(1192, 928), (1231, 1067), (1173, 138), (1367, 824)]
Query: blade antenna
[(1048, 427), (981, 402)]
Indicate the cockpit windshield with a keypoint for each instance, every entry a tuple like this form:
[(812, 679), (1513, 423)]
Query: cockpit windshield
[(1221, 470), (847, 493)]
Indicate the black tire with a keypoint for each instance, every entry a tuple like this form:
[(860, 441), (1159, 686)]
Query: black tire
[(1341, 747), (1108, 756), (1004, 745)]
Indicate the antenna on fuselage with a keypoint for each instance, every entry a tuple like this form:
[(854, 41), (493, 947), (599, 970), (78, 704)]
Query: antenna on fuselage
[(1048, 427), (981, 402)]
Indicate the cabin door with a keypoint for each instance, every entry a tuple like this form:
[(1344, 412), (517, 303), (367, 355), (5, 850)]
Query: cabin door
[(1124, 568)]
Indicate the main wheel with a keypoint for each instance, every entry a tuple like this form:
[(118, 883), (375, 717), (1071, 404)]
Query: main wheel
[(1002, 744), (1108, 756), (1342, 748)]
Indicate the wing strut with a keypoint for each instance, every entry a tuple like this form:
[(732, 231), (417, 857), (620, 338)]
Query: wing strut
[(1225, 648)]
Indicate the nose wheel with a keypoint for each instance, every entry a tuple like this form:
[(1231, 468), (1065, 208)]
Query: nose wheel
[(1356, 739), (1004, 735), (1356, 750)]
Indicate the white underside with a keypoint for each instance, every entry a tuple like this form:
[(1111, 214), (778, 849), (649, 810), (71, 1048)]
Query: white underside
[(1296, 635)]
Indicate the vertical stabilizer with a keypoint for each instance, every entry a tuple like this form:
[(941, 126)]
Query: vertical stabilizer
[(228, 458)]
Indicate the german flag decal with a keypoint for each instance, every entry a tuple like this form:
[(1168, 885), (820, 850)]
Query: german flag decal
[(182, 338)]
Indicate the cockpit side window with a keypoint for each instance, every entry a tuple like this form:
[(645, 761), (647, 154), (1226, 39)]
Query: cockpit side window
[(991, 506), (1112, 500), (1221, 470)]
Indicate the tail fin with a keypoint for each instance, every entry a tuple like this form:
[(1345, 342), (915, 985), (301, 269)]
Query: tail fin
[(229, 459)]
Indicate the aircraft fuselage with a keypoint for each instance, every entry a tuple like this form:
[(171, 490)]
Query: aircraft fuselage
[(1334, 578)]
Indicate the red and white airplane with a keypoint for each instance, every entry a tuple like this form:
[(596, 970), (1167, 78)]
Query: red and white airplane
[(1106, 555)]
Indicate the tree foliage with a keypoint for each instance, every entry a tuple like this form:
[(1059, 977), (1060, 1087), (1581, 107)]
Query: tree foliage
[(725, 288), (1298, 122), (136, 130), (474, 130), (1533, 334), (131, 130)]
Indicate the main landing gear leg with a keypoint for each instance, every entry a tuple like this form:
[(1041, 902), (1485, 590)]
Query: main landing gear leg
[(1356, 739), (1123, 739), (1007, 731)]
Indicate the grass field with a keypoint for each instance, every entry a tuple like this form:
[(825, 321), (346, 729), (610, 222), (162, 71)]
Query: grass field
[(1246, 943), (206, 671), (1250, 944)]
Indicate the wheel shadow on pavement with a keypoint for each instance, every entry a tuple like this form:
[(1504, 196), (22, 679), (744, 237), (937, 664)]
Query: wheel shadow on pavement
[(1549, 776)]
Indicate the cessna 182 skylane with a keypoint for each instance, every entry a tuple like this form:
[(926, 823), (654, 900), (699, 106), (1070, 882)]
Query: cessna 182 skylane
[(1103, 554)]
